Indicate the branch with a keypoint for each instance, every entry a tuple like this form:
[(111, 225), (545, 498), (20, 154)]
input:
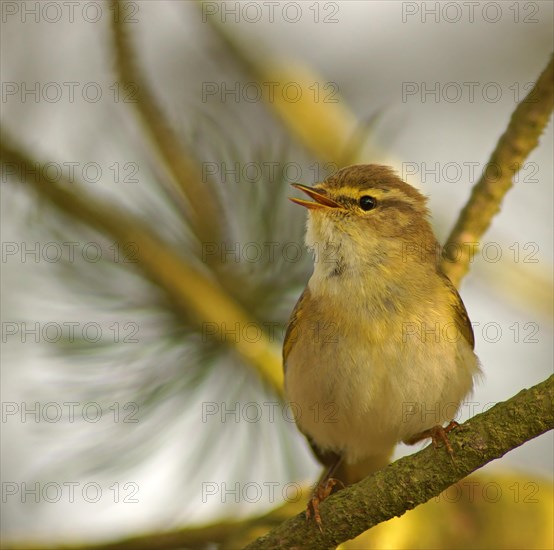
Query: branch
[(388, 493), (203, 209), (225, 534), (322, 122), (415, 479), (195, 295), (520, 138)]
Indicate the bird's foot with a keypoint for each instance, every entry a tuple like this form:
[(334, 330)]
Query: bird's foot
[(438, 434), (323, 489)]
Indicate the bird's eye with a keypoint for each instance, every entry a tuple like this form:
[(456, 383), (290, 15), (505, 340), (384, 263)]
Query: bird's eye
[(367, 203)]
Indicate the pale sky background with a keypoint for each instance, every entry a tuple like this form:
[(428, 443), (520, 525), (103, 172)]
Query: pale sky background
[(372, 52)]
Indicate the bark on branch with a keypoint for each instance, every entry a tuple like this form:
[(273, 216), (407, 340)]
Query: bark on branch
[(415, 479)]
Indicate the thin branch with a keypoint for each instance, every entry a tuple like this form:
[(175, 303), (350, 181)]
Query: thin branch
[(199, 298), (202, 205), (415, 479), (318, 117), (226, 534), (522, 135)]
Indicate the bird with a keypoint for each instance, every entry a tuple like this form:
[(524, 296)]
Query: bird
[(379, 348)]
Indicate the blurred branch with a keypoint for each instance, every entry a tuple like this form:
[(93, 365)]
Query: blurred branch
[(195, 295), (525, 285), (415, 479), (522, 135), (226, 534), (202, 204), (311, 108)]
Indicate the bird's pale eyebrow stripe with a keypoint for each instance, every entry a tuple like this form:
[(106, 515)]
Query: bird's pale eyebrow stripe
[(392, 203), (393, 197), (385, 195)]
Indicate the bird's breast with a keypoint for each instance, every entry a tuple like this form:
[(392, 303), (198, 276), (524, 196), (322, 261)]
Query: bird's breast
[(354, 369)]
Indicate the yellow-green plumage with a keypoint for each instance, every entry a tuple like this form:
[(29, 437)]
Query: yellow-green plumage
[(379, 336)]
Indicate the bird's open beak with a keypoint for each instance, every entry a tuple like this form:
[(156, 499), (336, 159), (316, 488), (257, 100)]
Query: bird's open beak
[(322, 201)]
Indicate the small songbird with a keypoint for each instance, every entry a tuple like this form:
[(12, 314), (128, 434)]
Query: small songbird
[(379, 347)]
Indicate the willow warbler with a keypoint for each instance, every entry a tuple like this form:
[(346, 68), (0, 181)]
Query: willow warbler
[(379, 348)]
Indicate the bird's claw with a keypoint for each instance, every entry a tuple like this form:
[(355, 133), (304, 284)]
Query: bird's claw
[(321, 492)]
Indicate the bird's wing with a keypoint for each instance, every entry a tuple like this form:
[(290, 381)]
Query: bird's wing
[(327, 458), (460, 313), (290, 339)]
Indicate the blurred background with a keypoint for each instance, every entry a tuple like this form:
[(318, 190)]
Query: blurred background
[(143, 308)]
